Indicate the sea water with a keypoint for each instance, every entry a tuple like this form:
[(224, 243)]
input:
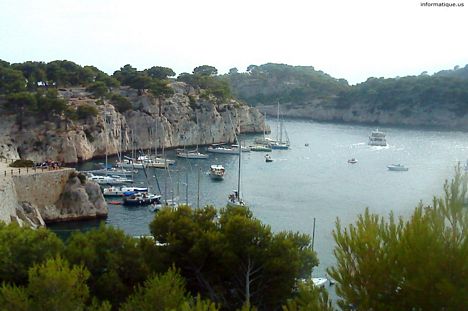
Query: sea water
[(311, 180)]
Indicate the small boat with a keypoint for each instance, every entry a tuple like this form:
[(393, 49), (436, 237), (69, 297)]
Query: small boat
[(397, 167), (280, 146), (142, 198), (377, 138), (122, 191), (352, 161), (217, 172), (222, 149), (130, 163), (268, 158), (234, 200), (109, 180), (260, 148), (243, 148), (192, 154), (306, 144), (319, 282)]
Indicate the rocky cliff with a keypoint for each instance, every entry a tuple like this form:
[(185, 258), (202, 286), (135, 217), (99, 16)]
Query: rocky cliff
[(33, 199), (186, 118), (414, 116)]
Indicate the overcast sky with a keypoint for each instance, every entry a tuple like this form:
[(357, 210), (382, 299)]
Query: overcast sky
[(347, 39)]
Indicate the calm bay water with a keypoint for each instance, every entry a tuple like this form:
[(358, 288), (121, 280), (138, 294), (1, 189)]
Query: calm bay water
[(313, 181)]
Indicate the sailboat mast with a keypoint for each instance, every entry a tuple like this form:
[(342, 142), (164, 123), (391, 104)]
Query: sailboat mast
[(107, 137), (239, 174), (277, 124)]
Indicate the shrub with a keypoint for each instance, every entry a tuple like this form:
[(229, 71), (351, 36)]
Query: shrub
[(86, 111), (22, 163)]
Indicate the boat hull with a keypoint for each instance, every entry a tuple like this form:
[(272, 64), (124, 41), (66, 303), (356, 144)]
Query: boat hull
[(397, 168)]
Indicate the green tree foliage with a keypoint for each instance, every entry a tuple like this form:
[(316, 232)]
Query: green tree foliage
[(34, 72), (270, 83), (86, 111), (205, 70), (114, 259), (427, 92), (21, 248), (457, 72), (165, 292), (120, 103), (49, 104), (11, 80), (309, 298), (126, 74), (160, 88), (228, 257), (14, 298), (54, 285), (99, 89), (21, 103), (415, 264), (160, 73), (210, 84)]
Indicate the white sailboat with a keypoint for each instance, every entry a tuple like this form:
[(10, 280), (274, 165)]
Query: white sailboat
[(191, 154), (279, 143), (235, 199)]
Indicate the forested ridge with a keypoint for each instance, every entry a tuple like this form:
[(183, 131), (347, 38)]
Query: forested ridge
[(269, 84), (31, 88)]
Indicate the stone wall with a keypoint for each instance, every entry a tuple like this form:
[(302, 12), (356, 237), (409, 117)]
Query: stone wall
[(35, 198)]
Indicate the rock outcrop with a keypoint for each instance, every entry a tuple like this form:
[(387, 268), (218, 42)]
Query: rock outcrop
[(80, 199), (186, 118), (416, 116), (34, 199)]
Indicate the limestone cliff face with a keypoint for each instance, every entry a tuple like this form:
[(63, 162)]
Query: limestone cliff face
[(33, 199), (362, 113), (184, 119), (79, 200)]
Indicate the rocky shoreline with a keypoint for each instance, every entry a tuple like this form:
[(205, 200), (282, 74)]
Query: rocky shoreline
[(184, 119), (187, 118), (35, 198), (439, 118)]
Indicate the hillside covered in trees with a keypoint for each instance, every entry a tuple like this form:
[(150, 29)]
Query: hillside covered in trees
[(61, 110), (439, 100)]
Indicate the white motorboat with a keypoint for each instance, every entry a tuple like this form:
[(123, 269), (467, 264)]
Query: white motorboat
[(222, 149), (319, 282), (268, 158), (261, 148), (397, 167), (154, 159), (217, 172), (157, 164), (192, 154), (112, 171), (109, 180), (377, 138), (352, 161), (122, 191), (129, 163)]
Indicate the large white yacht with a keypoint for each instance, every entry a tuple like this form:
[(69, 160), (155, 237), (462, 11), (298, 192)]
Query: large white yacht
[(377, 138)]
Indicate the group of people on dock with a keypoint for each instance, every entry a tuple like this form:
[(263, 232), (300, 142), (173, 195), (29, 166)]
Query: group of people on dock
[(49, 164)]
